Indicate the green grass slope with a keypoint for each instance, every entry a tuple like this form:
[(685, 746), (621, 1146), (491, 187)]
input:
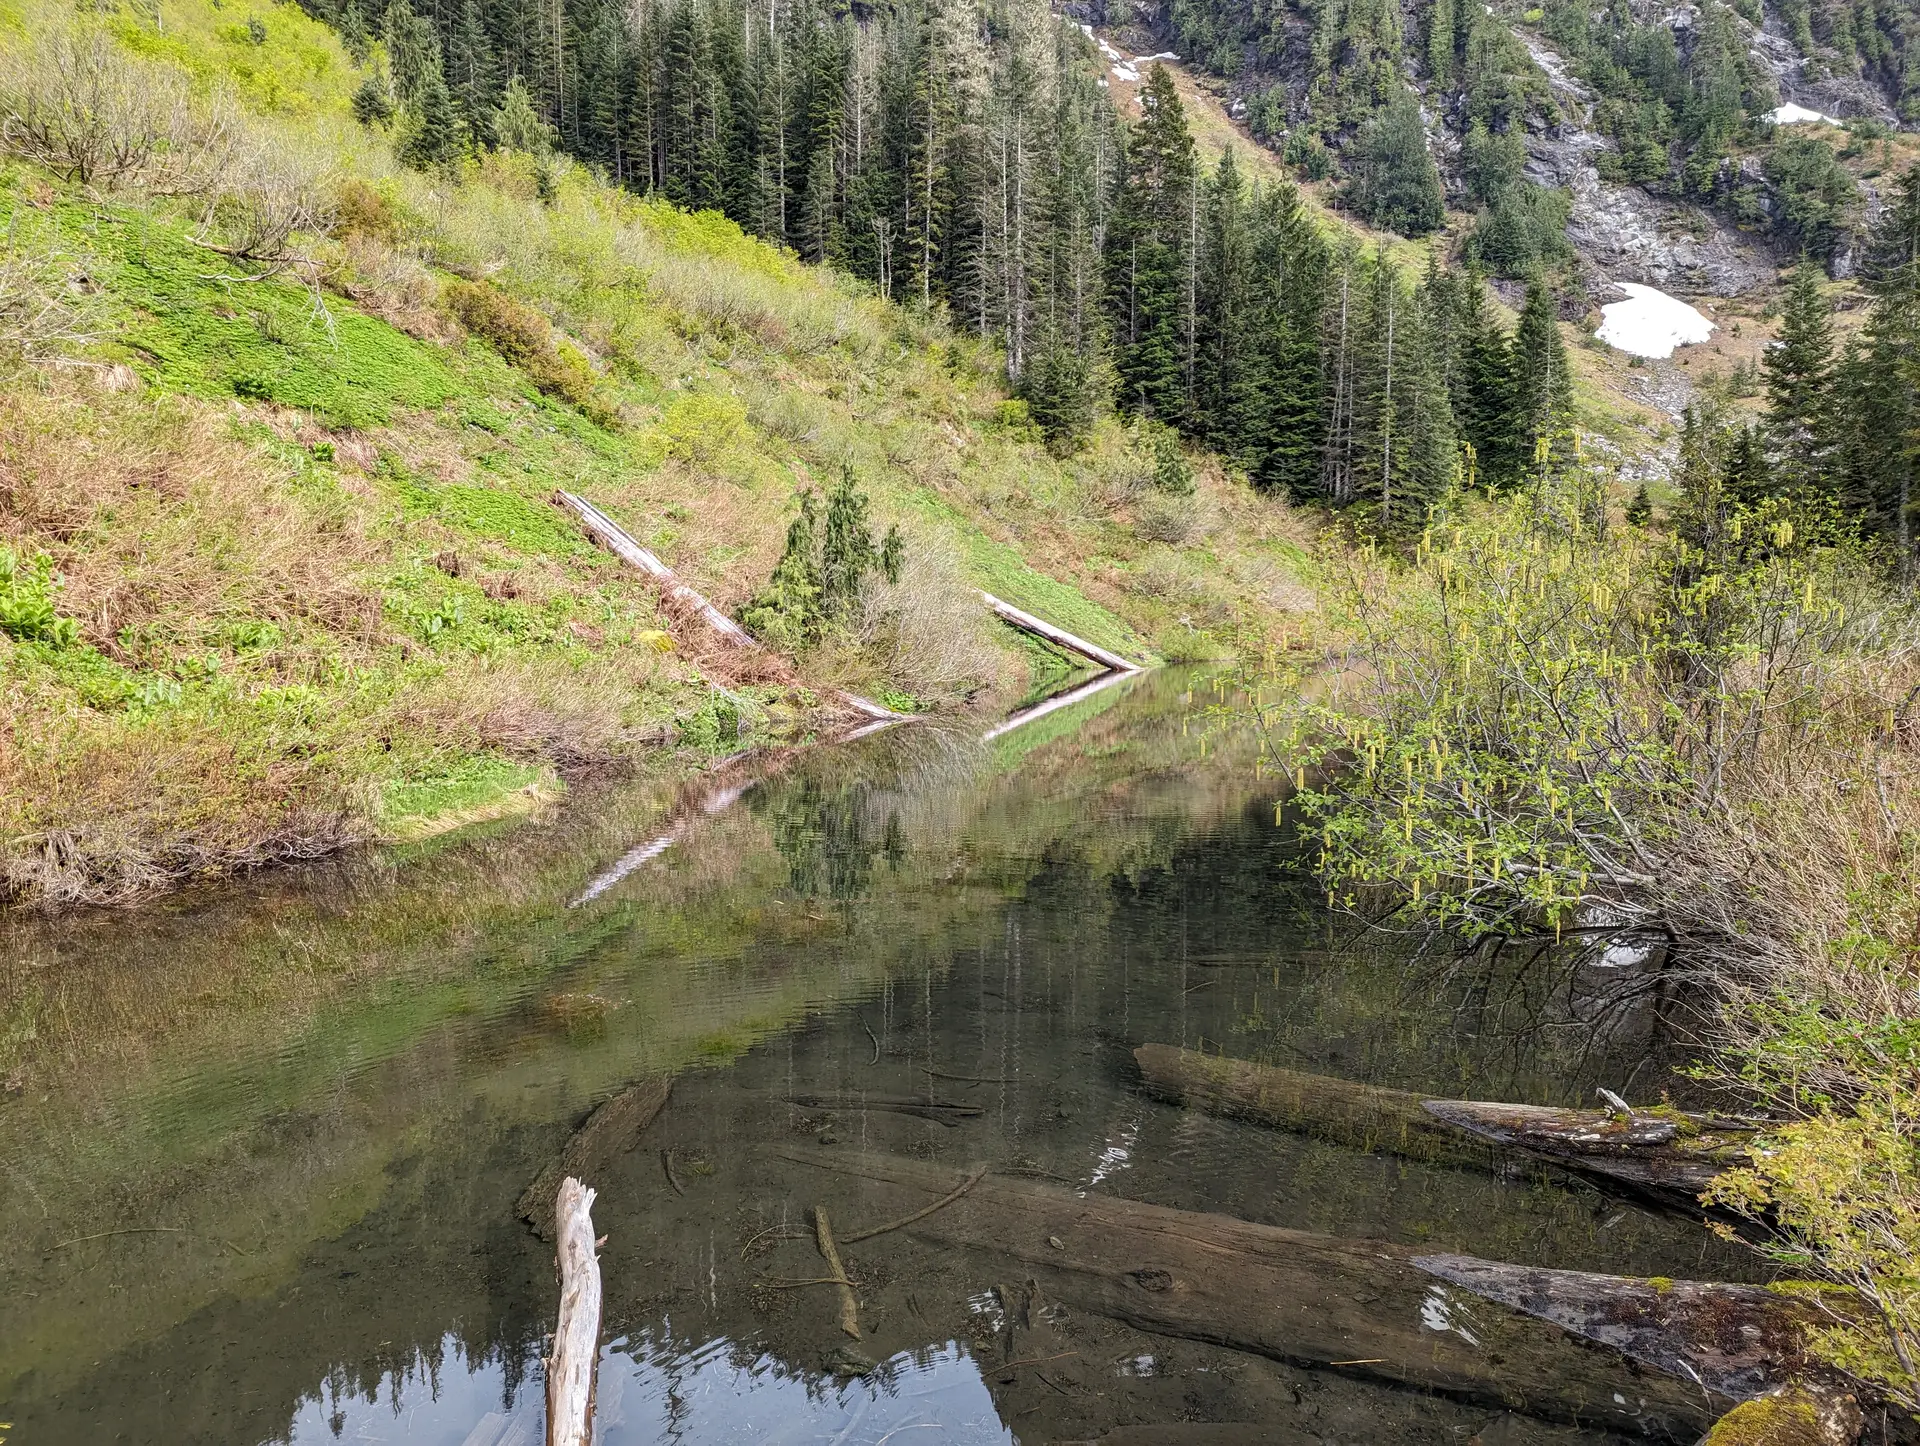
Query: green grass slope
[(282, 421)]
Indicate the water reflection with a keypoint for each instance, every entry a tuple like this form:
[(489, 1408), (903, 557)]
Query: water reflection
[(655, 1394), (259, 1182)]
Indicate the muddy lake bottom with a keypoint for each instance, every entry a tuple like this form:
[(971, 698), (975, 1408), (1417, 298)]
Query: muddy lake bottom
[(262, 1169)]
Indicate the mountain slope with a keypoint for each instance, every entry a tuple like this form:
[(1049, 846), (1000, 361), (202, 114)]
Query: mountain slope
[(281, 571)]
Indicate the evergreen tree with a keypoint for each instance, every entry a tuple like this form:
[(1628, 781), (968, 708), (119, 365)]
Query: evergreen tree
[(1878, 390), (1799, 372), (1485, 391), (1150, 245), (1543, 383), (1394, 181)]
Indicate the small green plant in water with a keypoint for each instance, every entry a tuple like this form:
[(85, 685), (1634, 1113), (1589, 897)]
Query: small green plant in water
[(825, 569)]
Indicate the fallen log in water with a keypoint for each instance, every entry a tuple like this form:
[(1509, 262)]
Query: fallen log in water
[(1364, 1116), (1665, 1152), (1738, 1341), (1355, 1306), (572, 1363), (612, 1129)]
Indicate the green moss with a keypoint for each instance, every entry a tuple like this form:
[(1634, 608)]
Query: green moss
[(1785, 1418), (471, 789)]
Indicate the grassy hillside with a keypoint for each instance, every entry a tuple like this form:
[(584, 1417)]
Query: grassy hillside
[(281, 427)]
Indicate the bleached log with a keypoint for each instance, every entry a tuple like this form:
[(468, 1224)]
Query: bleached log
[(1059, 637), (620, 543), (572, 1364)]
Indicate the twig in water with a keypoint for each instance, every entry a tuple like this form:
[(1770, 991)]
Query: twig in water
[(147, 1230), (974, 1179), (872, 1036), (797, 1284), (969, 1078), (772, 1232), (1369, 1361), (1038, 1360), (666, 1163)]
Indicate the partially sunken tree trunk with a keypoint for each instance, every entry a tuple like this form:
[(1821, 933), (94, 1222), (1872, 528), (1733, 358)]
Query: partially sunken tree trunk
[(1357, 1306), (576, 1337), (1664, 1153)]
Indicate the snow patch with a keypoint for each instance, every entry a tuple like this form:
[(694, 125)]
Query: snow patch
[(1651, 323), (1798, 115), (1163, 55), (1127, 73)]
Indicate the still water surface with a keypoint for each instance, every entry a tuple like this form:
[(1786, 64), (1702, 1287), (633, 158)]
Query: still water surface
[(260, 1152)]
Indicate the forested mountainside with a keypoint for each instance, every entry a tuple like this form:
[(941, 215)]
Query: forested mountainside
[(1636, 123), (972, 157)]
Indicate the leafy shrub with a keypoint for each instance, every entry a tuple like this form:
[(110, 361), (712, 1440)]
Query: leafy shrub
[(526, 338), (1839, 1195)]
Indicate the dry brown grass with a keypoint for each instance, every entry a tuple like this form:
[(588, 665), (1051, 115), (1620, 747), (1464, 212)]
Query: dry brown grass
[(158, 517)]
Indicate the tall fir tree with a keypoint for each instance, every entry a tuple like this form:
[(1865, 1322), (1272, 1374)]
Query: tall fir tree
[(1799, 374), (1543, 385), (1148, 253)]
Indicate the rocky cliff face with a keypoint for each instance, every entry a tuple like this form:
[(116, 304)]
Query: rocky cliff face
[(1622, 232)]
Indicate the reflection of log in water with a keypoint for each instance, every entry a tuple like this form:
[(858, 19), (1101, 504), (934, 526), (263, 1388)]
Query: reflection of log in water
[(612, 1129), (1359, 1307), (1666, 1153)]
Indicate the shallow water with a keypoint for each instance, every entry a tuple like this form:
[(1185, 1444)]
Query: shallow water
[(261, 1151)]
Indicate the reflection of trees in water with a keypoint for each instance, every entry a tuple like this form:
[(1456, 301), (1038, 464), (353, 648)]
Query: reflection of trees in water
[(830, 837)]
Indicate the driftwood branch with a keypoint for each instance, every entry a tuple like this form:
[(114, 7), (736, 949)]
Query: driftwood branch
[(849, 1307), (947, 1199), (571, 1364)]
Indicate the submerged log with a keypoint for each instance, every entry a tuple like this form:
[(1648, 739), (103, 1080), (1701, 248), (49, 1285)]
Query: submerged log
[(1665, 1153), (1198, 1433), (939, 1111), (1355, 1306), (572, 1363), (612, 1129), (1364, 1116)]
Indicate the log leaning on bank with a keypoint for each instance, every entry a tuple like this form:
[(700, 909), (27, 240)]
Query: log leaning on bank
[(1666, 1153), (1357, 1306), (612, 1129)]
